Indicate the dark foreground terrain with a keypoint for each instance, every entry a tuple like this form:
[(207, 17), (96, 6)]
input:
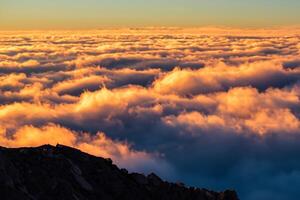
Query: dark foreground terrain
[(64, 173)]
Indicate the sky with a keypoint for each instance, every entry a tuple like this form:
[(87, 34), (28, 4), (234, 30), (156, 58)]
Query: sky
[(91, 14)]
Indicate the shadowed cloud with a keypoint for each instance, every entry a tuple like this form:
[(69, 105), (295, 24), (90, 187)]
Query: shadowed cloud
[(208, 109)]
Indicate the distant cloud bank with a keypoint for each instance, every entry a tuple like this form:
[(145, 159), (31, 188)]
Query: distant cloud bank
[(209, 108)]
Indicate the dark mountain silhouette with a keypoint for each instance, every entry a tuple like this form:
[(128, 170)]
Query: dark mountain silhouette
[(64, 173)]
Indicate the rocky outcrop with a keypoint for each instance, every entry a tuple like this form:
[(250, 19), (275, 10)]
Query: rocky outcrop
[(64, 173)]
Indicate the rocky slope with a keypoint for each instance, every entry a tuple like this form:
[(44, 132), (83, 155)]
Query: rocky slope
[(64, 173)]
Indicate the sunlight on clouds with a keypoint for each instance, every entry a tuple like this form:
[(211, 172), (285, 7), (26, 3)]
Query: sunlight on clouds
[(162, 100), (98, 144)]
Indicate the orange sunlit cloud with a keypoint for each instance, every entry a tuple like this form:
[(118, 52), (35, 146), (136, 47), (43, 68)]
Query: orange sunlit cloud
[(147, 95)]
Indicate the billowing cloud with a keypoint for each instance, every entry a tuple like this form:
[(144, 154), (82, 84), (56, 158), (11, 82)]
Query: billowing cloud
[(209, 109), (261, 75), (99, 145)]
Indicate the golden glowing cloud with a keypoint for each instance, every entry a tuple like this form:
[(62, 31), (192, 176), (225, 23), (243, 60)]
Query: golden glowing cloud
[(158, 99)]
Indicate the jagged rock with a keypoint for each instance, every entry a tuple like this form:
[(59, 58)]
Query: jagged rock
[(64, 173), (140, 178), (154, 179)]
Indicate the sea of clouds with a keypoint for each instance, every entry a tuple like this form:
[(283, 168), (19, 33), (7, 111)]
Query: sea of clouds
[(215, 110)]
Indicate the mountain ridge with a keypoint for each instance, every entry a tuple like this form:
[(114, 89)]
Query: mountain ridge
[(61, 172)]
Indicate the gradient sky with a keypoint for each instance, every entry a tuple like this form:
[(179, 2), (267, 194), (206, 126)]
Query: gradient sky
[(78, 14)]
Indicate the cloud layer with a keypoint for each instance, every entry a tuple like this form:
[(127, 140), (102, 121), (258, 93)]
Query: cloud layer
[(208, 109)]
